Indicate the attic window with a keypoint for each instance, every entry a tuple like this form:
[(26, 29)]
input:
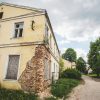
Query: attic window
[(1, 14)]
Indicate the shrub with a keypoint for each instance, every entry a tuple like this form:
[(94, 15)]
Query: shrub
[(71, 73), (63, 87), (51, 98), (6, 94)]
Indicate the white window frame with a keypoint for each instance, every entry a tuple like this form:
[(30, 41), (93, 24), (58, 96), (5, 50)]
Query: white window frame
[(21, 26)]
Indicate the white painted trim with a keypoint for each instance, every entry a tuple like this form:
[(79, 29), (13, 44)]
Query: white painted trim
[(20, 55), (13, 30), (6, 67)]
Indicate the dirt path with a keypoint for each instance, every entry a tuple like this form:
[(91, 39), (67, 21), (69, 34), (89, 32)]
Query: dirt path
[(89, 91)]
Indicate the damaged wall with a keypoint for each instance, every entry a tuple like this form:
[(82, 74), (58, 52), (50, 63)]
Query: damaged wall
[(32, 78)]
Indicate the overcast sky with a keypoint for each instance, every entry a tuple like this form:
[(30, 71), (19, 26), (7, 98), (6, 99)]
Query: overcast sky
[(75, 22)]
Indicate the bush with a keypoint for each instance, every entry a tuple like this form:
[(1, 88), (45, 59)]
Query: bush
[(71, 73), (6, 94), (51, 98), (63, 87)]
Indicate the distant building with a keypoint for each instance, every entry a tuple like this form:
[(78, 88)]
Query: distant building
[(68, 64)]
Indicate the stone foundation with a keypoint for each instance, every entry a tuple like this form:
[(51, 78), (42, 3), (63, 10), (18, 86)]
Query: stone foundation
[(32, 78)]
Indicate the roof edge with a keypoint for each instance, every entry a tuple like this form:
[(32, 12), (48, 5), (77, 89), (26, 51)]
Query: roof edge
[(22, 6), (46, 14)]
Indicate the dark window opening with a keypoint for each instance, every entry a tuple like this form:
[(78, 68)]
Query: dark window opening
[(17, 25), (1, 15), (16, 32), (20, 32)]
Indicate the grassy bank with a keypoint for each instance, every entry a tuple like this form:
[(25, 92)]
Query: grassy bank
[(6, 94), (63, 87)]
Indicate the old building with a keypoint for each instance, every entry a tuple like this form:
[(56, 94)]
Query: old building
[(29, 55), (68, 64)]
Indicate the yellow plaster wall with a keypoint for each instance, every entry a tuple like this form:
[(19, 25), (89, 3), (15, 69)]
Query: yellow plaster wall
[(29, 35), (25, 52), (6, 37), (13, 11)]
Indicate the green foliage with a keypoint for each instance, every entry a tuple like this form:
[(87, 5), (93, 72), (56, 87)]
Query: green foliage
[(6, 94), (71, 73), (63, 87), (94, 56), (70, 55), (81, 65), (61, 64), (51, 98)]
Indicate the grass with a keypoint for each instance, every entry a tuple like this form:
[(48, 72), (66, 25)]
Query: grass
[(93, 75), (51, 98), (6, 94), (63, 87)]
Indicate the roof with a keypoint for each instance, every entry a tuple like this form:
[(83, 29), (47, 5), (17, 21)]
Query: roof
[(23, 7)]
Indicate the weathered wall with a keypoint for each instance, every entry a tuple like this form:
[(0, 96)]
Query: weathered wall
[(7, 30), (32, 78), (25, 52), (7, 27), (36, 55), (10, 11)]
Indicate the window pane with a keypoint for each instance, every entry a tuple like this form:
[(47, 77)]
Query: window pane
[(16, 32), (17, 25), (1, 14), (20, 32), (20, 25), (12, 67)]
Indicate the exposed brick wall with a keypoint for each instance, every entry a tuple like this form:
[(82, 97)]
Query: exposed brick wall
[(32, 78)]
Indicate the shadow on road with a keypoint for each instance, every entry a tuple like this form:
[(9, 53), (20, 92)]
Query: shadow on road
[(96, 79)]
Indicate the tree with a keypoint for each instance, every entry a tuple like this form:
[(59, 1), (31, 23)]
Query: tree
[(94, 56), (70, 55), (61, 64), (81, 65)]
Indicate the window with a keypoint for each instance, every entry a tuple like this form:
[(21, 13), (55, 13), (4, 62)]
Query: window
[(1, 15), (46, 34), (18, 29), (47, 70), (47, 29), (12, 69), (54, 48), (50, 41)]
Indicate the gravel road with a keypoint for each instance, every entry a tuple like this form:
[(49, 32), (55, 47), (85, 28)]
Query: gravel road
[(88, 91)]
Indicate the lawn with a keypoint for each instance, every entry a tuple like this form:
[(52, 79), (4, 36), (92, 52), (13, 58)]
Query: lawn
[(93, 75)]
